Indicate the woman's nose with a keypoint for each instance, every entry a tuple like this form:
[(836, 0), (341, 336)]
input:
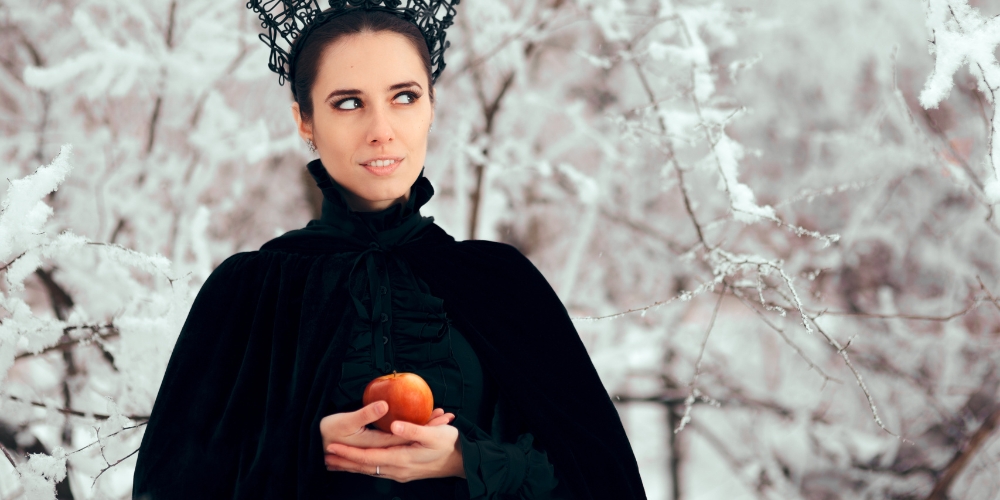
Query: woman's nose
[(379, 129)]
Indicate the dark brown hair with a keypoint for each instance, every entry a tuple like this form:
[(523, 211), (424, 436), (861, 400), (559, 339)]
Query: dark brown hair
[(305, 67)]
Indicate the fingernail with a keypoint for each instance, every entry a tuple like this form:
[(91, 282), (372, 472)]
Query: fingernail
[(397, 427), (330, 449), (382, 406)]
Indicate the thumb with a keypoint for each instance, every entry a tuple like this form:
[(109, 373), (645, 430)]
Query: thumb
[(371, 413), (411, 432)]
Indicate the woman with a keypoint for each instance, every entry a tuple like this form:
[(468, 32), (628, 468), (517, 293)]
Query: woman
[(262, 395)]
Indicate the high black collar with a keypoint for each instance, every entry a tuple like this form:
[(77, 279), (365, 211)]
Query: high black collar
[(387, 228)]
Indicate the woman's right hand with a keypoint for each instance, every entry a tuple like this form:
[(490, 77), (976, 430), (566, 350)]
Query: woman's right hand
[(351, 428)]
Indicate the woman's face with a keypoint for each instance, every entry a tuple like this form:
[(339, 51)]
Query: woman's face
[(370, 103)]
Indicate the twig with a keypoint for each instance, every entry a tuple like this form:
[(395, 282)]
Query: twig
[(12, 261), (158, 105), (685, 295), (735, 399), (784, 336), (989, 294), (915, 317), (809, 323), (68, 343), (644, 228), (477, 61), (694, 392), (75, 413), (665, 399), (809, 194), (977, 188), (993, 99), (112, 465), (130, 427), (704, 124), (827, 239), (672, 157), (894, 469), (687, 198), (879, 363), (861, 383), (10, 458)]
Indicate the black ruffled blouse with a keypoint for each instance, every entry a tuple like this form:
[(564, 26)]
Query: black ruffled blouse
[(404, 328)]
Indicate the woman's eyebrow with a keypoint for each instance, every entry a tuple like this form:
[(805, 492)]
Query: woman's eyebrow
[(341, 92), (404, 85)]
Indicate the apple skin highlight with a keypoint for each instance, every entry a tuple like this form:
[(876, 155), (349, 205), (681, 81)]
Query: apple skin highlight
[(409, 397)]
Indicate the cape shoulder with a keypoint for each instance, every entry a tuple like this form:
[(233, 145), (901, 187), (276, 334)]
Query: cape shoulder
[(525, 336), (252, 367)]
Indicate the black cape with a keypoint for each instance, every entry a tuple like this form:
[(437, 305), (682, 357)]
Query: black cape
[(237, 415)]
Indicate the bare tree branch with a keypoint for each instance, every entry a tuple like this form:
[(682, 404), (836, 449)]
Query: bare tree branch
[(127, 428), (785, 337), (685, 295), (126, 457), (644, 228), (490, 108), (98, 332), (672, 157), (693, 386), (10, 458), (75, 413), (12, 261), (808, 323), (169, 42), (917, 317), (964, 456)]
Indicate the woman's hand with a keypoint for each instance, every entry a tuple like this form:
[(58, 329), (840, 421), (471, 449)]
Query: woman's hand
[(350, 428), (433, 451)]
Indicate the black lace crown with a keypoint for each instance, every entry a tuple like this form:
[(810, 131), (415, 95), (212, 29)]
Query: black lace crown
[(288, 20)]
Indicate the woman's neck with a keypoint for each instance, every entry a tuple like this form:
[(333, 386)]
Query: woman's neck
[(358, 204)]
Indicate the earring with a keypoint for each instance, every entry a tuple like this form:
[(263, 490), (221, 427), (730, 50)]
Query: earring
[(311, 145)]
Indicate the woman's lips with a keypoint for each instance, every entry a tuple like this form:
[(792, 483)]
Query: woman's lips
[(383, 171)]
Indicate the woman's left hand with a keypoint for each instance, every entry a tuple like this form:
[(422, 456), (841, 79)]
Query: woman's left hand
[(433, 452)]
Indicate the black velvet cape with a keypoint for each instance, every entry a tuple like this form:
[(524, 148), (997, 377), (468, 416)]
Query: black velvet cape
[(237, 415)]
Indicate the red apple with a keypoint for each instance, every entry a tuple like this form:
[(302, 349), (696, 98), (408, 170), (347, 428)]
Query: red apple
[(409, 398)]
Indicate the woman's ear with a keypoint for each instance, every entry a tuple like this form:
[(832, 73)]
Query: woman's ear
[(305, 129)]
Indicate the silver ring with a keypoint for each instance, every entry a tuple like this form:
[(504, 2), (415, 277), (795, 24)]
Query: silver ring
[(376, 470)]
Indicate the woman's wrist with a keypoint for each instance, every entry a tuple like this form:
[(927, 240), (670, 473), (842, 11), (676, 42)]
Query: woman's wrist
[(456, 461)]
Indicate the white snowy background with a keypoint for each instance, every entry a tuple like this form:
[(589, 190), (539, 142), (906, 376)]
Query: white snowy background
[(774, 222)]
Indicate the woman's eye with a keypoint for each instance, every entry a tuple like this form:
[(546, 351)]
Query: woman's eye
[(344, 104), (410, 96)]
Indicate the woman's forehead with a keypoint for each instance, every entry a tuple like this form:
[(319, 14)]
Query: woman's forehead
[(370, 62)]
